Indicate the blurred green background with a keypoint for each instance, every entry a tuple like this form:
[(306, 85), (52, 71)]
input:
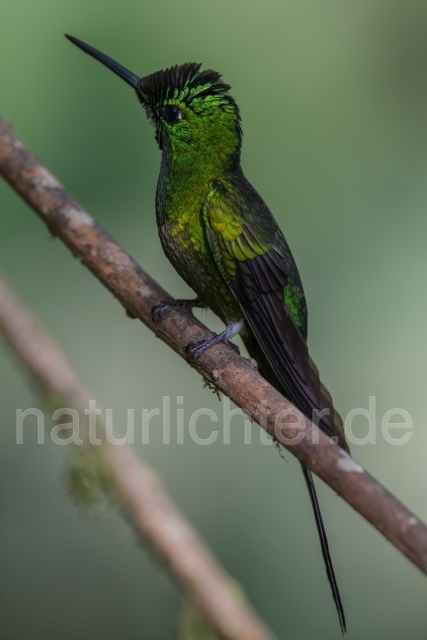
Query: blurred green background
[(333, 96)]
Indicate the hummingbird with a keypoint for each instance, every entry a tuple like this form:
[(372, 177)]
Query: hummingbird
[(222, 239)]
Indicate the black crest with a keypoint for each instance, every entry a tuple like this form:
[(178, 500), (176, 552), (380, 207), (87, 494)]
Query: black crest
[(181, 81)]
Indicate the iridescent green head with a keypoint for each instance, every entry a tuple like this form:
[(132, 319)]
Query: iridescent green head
[(190, 107), (191, 110)]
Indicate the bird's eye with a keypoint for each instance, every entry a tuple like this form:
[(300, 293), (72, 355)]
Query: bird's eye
[(172, 114)]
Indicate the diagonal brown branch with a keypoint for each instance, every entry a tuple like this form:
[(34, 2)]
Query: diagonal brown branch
[(141, 494), (231, 374)]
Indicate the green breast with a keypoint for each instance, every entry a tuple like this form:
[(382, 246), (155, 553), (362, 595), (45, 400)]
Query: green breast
[(184, 242)]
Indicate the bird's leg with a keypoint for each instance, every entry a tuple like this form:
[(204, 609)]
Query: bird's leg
[(160, 309), (196, 348)]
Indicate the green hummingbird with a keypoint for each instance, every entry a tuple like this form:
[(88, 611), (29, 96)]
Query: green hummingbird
[(225, 243)]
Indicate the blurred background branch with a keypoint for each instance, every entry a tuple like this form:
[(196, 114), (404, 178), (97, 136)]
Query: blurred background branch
[(230, 373), (139, 490)]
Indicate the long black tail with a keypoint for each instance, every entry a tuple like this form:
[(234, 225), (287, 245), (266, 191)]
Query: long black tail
[(267, 371), (325, 547)]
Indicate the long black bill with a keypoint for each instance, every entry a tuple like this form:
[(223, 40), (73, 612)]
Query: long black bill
[(123, 73)]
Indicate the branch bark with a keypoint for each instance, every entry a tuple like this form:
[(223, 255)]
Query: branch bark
[(140, 491), (231, 374)]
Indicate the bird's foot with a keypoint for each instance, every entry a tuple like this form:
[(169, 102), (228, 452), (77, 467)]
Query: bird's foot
[(160, 309), (196, 348)]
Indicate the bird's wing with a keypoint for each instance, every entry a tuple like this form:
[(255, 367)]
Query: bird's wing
[(256, 263)]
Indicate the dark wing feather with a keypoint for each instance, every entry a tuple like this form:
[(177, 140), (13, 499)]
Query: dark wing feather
[(256, 262)]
